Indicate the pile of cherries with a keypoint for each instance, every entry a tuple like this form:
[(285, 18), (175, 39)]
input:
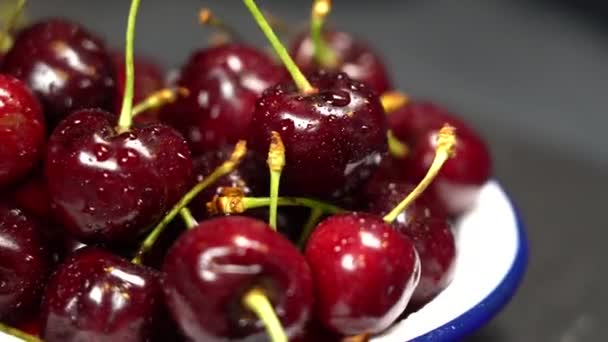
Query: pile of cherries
[(92, 246)]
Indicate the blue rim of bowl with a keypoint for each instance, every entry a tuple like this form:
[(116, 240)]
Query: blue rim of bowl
[(477, 316)]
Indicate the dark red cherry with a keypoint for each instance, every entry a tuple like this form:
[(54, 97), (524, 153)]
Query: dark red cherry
[(22, 130), (425, 223), (461, 177), (224, 82), (149, 77), (355, 58), (24, 262), (211, 267), (30, 324), (97, 296), (65, 65), (110, 187), (364, 272), (334, 137)]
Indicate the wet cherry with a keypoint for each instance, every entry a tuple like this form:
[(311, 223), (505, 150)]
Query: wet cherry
[(24, 262), (211, 267), (95, 295), (224, 82), (111, 187), (339, 129), (65, 65), (22, 130), (364, 272)]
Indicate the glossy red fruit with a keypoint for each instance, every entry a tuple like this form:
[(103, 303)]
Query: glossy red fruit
[(149, 77), (211, 267), (65, 65), (22, 130), (96, 296), (30, 324), (224, 82), (24, 262), (364, 273), (425, 223), (355, 58), (110, 187), (461, 177), (334, 138)]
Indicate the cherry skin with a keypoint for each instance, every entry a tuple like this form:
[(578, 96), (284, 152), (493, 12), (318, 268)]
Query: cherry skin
[(355, 58), (24, 262), (212, 266), (22, 130), (425, 223), (110, 187), (33, 197), (364, 272), (461, 177), (98, 296), (334, 138), (224, 82), (149, 77), (65, 65)]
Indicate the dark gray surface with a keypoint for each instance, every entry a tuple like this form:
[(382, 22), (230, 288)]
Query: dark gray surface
[(531, 75)]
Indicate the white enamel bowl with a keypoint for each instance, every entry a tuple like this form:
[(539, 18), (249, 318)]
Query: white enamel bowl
[(492, 253)]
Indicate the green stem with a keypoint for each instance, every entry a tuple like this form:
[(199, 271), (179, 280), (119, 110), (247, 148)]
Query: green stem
[(275, 177), (396, 148), (125, 119), (276, 162), (323, 53), (311, 223), (11, 23), (258, 202), (158, 99), (23, 336), (297, 75), (188, 219), (224, 169), (446, 142), (257, 301)]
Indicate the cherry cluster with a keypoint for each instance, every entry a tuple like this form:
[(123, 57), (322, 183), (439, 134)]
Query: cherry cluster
[(138, 207)]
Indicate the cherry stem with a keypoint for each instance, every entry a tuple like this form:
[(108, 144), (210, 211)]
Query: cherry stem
[(9, 27), (323, 53), (228, 166), (393, 100), (297, 75), (397, 149), (276, 162), (233, 202), (311, 223), (206, 17), (23, 336), (446, 142), (158, 99), (188, 219), (256, 301), (126, 118)]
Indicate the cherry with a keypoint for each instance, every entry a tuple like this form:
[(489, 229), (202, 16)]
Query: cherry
[(224, 82), (24, 262), (364, 272), (338, 51), (98, 296), (149, 77), (33, 197), (111, 187), (65, 65), (22, 130), (213, 266), (339, 129), (458, 183), (426, 225)]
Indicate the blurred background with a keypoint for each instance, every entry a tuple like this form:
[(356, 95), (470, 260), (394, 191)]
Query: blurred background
[(531, 75)]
